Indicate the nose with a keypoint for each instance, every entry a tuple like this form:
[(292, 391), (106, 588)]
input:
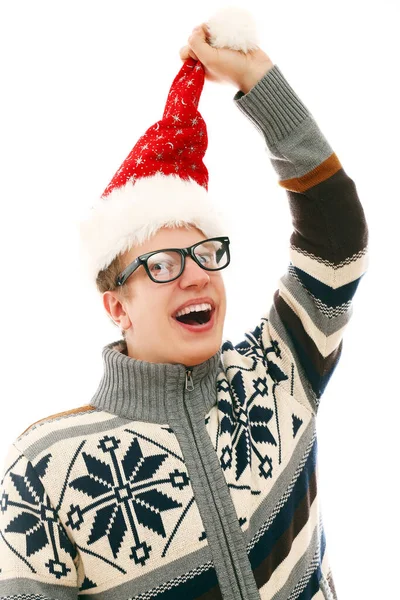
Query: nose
[(193, 274)]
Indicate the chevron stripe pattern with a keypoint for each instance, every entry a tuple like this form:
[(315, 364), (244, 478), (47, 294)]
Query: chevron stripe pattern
[(329, 243)]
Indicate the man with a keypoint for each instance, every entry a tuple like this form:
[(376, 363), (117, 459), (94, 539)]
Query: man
[(193, 471)]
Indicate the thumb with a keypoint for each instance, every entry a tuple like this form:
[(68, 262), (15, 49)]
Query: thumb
[(198, 42), (186, 52)]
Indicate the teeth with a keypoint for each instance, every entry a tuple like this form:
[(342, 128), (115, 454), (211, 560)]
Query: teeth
[(193, 308)]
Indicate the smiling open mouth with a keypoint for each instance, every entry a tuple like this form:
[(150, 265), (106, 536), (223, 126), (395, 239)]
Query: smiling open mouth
[(196, 318)]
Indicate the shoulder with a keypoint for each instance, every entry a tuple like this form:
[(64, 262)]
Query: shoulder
[(50, 443), (58, 427), (65, 413)]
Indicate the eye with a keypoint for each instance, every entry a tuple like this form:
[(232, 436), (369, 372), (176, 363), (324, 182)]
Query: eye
[(158, 266), (164, 265), (205, 258)]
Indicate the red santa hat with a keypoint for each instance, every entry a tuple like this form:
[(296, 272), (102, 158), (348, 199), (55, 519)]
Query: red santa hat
[(164, 181)]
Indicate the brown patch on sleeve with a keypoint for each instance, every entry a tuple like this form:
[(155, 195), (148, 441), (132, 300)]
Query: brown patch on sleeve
[(326, 169)]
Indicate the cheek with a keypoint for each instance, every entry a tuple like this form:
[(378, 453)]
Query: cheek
[(221, 292), (157, 307), (223, 309)]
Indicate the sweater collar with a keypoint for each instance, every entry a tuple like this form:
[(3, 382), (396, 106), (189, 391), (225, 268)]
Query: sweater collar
[(145, 391)]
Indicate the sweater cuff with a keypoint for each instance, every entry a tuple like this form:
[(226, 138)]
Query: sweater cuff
[(273, 106)]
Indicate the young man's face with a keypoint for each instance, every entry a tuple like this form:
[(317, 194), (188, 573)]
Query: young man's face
[(147, 316)]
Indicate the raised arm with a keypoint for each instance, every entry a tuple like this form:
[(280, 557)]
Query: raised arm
[(328, 246)]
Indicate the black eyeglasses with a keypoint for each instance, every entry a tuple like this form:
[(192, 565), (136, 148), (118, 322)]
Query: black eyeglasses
[(163, 266)]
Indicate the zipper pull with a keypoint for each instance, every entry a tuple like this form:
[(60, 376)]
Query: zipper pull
[(189, 380)]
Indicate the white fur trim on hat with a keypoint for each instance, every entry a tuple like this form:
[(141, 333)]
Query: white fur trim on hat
[(133, 213), (234, 28)]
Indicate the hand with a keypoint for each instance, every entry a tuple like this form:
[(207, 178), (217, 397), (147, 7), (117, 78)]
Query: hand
[(241, 69)]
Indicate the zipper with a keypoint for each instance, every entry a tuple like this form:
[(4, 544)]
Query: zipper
[(189, 382)]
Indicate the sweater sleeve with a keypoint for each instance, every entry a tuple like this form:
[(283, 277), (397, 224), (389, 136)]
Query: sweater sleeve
[(328, 245), (37, 559)]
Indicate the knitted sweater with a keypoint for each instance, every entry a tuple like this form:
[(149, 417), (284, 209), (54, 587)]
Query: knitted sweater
[(180, 482)]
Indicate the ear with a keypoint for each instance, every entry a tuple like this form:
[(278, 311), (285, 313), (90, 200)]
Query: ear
[(116, 309)]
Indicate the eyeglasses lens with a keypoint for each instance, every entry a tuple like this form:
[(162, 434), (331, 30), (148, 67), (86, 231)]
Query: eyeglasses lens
[(164, 266)]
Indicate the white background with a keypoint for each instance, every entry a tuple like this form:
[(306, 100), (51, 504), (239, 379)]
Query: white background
[(81, 81)]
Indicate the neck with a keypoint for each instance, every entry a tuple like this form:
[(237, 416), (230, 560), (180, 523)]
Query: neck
[(133, 351)]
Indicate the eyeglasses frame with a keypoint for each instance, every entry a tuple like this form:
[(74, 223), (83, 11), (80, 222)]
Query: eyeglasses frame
[(184, 252)]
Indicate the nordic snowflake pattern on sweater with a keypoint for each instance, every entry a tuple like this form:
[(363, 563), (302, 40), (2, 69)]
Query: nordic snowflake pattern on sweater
[(124, 498), (36, 521)]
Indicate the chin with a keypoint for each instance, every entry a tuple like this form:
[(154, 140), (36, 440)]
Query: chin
[(198, 357)]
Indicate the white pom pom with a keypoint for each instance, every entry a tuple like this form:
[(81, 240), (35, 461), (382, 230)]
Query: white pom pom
[(233, 28)]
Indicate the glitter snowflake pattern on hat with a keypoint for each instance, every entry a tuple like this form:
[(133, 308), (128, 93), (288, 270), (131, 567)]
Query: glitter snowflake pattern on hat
[(176, 144)]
